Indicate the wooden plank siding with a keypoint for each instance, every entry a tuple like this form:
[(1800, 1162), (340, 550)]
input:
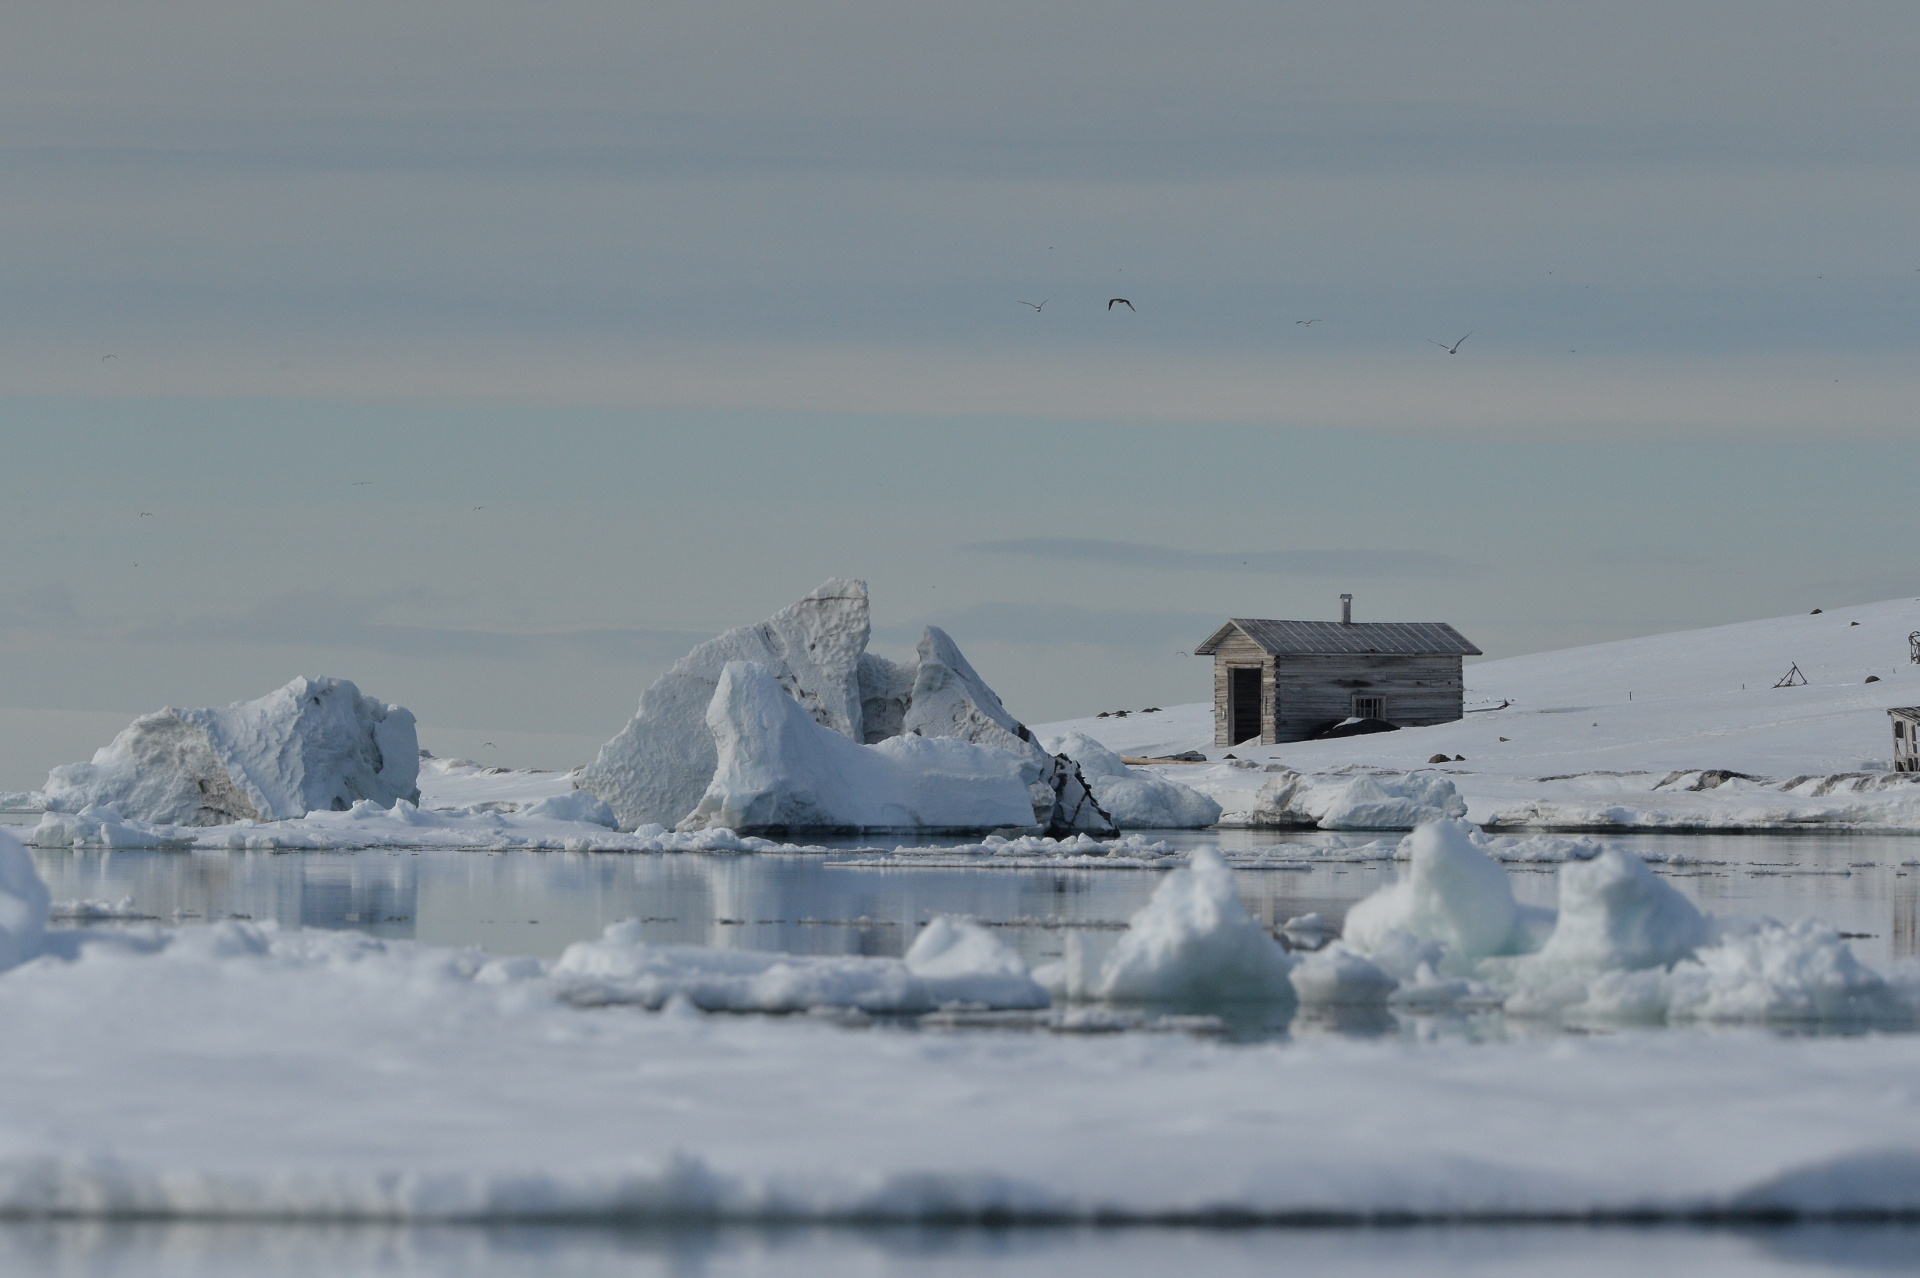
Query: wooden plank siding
[(1301, 694), (1238, 650)]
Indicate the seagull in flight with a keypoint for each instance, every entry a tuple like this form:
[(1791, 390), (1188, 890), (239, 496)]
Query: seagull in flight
[(1119, 301), (146, 514), (359, 483), (1453, 349), (105, 358), (1037, 306), (1308, 323)]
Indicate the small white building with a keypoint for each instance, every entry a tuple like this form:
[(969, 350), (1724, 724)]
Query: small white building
[(1906, 738)]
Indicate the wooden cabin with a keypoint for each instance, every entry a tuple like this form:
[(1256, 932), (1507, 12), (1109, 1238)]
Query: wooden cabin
[(1906, 738), (1292, 680)]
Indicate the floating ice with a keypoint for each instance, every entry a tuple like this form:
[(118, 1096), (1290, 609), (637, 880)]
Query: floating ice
[(1449, 893), (1616, 914), (952, 962), (1193, 944), (313, 745), (779, 771), (23, 904), (1338, 976), (1135, 800)]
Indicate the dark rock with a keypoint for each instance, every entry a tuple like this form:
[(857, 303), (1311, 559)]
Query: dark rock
[(1358, 728), (1459, 758), (1814, 613), (1440, 758), (1873, 678)]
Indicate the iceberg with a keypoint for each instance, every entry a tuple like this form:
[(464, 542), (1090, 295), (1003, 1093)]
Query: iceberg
[(658, 767), (662, 765), (1134, 800), (313, 745), (779, 771)]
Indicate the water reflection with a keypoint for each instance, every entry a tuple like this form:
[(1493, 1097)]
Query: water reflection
[(539, 902), (103, 1250)]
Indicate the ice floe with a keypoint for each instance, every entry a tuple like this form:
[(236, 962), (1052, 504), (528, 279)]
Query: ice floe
[(313, 745), (23, 904), (1192, 944), (1135, 800), (779, 771)]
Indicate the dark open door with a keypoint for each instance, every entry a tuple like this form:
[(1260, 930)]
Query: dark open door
[(1243, 703)]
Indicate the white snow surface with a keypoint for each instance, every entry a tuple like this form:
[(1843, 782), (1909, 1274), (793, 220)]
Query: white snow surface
[(779, 770), (1135, 800), (1639, 733), (313, 745)]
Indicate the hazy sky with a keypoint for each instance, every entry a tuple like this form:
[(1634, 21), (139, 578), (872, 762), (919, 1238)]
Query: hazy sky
[(492, 354)]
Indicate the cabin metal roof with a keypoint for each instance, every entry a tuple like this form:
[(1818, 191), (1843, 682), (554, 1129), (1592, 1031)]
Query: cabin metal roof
[(1322, 638), (1905, 712)]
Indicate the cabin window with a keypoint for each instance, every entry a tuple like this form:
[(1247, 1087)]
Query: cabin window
[(1369, 707), (1243, 703), (1899, 728)]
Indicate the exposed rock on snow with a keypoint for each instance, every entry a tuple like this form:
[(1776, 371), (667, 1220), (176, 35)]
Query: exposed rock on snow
[(1134, 800), (778, 770), (660, 764), (314, 745), (23, 904)]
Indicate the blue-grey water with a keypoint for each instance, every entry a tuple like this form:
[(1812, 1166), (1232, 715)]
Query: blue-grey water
[(539, 902)]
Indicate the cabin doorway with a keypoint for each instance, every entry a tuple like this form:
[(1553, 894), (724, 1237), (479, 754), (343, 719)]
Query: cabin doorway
[(1243, 703)]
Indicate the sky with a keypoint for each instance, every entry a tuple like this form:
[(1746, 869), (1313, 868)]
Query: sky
[(491, 355)]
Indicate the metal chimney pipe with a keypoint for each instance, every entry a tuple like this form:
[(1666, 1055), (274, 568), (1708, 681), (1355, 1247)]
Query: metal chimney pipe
[(1346, 610)]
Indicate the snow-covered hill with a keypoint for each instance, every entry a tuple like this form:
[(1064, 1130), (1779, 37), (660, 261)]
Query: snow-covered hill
[(1684, 702)]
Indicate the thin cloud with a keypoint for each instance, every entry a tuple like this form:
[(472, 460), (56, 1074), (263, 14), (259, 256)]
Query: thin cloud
[(1265, 563), (1117, 629)]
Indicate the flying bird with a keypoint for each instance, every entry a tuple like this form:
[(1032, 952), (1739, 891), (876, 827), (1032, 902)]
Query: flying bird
[(146, 514), (1037, 306), (105, 358), (359, 482), (1308, 323), (1120, 301), (1453, 349)]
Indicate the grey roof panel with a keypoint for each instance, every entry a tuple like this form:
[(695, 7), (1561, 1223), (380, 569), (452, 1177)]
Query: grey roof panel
[(1312, 638)]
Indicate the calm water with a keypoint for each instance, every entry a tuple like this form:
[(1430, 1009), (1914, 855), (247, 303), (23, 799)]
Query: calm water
[(539, 902), (230, 1251)]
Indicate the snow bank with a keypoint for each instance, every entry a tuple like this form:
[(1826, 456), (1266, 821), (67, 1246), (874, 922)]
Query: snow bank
[(23, 904), (1381, 803), (659, 765), (952, 962), (313, 745), (1192, 944), (1078, 851), (778, 771), (1134, 800)]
